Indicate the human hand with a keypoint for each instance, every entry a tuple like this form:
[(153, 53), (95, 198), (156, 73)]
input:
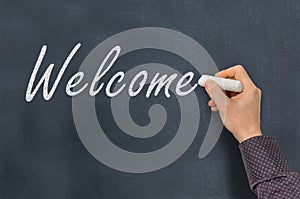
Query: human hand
[(240, 112)]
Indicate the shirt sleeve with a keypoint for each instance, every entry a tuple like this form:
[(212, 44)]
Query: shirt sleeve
[(267, 170)]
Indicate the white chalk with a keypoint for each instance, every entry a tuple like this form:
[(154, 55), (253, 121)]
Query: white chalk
[(225, 84)]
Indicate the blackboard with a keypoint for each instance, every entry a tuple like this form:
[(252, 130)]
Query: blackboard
[(42, 156)]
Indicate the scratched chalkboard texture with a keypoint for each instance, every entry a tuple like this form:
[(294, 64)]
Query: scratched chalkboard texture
[(41, 155)]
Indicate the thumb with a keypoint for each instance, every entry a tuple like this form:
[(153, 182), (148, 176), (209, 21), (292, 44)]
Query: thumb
[(216, 94)]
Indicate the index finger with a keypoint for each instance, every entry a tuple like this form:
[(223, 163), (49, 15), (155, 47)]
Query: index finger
[(239, 73)]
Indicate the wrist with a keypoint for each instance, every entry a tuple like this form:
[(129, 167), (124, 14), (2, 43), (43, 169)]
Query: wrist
[(250, 134)]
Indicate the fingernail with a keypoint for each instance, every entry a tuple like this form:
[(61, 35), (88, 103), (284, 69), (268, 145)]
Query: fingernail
[(208, 83)]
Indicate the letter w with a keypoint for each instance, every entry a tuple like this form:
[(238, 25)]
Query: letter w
[(45, 78)]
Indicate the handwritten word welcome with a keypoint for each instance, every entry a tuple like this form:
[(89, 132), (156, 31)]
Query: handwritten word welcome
[(158, 81)]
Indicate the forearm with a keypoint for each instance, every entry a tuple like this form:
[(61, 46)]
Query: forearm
[(267, 170)]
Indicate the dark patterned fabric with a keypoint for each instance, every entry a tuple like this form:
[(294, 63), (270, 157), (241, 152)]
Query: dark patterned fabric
[(267, 170)]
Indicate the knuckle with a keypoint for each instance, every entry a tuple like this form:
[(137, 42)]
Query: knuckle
[(240, 67), (255, 91), (259, 91)]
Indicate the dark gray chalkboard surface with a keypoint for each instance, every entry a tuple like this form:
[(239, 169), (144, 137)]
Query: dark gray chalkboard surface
[(41, 155)]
